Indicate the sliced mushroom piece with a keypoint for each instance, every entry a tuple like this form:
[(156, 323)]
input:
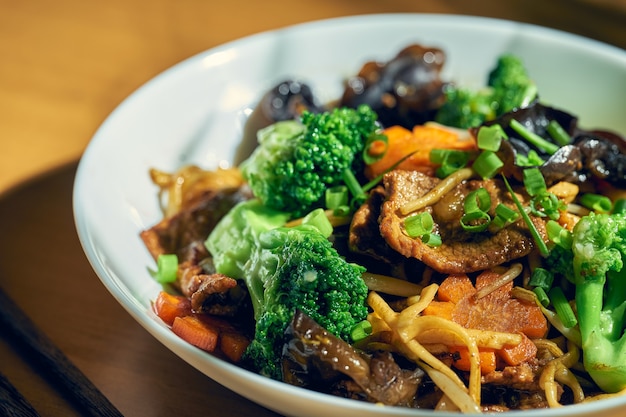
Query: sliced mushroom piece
[(314, 358)]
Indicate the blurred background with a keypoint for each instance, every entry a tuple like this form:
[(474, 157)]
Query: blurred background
[(66, 64)]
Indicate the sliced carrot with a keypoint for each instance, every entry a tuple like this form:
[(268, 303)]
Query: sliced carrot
[(420, 141), (461, 359), (196, 331), (168, 307), (439, 308), (521, 353), (233, 345), (496, 311), (455, 287)]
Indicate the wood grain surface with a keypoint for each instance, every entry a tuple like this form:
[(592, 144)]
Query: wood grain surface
[(64, 66)]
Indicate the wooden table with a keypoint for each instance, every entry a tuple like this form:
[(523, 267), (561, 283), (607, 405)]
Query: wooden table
[(64, 66)]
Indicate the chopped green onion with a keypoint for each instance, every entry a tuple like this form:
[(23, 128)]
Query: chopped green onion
[(541, 277), (556, 131), (504, 215), (167, 268), (541, 245), (318, 219), (450, 161), (361, 330), (620, 206), (375, 148), (432, 239), (419, 224), (558, 234), (336, 197), (562, 307), (534, 181), (359, 195), (487, 164), (533, 138), (380, 176), (490, 137), (542, 296), (342, 211), (477, 200), (530, 160), (596, 202), (546, 204), (475, 221)]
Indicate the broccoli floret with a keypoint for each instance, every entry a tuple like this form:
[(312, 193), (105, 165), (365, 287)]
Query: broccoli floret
[(466, 108), (296, 161), (511, 84), (286, 269), (596, 269), (508, 87)]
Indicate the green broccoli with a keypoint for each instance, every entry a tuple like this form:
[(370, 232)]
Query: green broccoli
[(296, 161), (508, 87), (511, 84), (595, 266), (466, 108), (286, 269)]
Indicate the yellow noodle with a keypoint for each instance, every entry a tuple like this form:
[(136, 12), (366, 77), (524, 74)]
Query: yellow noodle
[(508, 276), (390, 285), (437, 192), (484, 338), (415, 351), (452, 391)]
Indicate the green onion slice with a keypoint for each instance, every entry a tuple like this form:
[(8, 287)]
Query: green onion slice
[(504, 215), (556, 131), (541, 277), (541, 245), (361, 330), (318, 219), (475, 221), (477, 200), (596, 202), (558, 234), (487, 164), (375, 148), (562, 307), (533, 138), (534, 181), (419, 224), (490, 137), (336, 197), (167, 267), (432, 239)]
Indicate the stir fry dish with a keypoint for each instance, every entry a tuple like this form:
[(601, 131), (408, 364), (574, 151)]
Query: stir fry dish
[(415, 243)]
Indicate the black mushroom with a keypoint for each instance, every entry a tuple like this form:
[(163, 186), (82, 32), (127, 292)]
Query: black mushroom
[(406, 91), (285, 101), (590, 156), (318, 360)]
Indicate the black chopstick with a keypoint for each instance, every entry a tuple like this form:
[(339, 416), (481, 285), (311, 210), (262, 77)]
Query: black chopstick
[(12, 403), (52, 362)]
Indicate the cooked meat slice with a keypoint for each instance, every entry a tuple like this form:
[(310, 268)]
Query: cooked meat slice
[(461, 251), (365, 230), (175, 234), (314, 358)]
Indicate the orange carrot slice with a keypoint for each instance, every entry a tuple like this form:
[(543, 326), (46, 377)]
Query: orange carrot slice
[(196, 332), (516, 355), (168, 307), (420, 141), (461, 359), (455, 287)]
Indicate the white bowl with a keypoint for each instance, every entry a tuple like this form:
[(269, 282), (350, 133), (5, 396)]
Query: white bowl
[(194, 113)]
